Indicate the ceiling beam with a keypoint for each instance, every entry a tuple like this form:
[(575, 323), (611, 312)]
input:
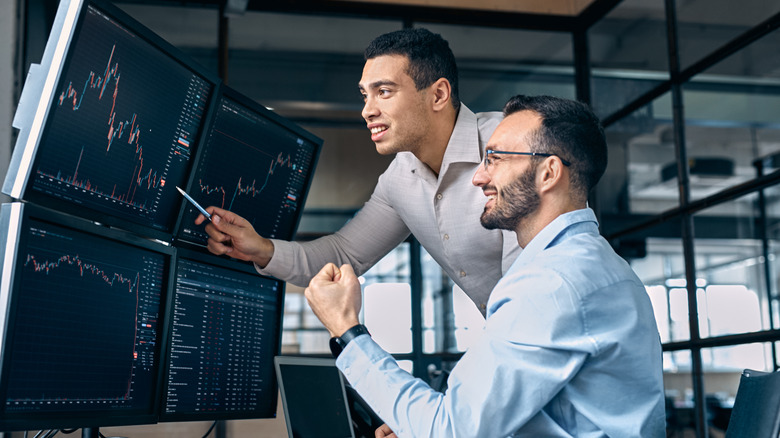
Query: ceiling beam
[(411, 13), (430, 14), (550, 7)]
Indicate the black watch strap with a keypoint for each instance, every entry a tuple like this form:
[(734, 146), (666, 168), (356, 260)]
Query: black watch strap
[(338, 343)]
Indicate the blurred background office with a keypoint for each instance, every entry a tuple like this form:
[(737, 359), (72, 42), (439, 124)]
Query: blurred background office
[(689, 93)]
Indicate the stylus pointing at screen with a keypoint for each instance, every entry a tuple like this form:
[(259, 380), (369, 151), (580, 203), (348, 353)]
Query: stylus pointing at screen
[(195, 203)]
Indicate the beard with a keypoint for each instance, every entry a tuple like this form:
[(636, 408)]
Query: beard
[(513, 203)]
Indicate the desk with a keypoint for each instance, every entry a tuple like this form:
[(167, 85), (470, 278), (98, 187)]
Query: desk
[(681, 416)]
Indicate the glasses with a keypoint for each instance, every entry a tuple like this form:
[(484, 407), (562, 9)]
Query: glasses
[(487, 162)]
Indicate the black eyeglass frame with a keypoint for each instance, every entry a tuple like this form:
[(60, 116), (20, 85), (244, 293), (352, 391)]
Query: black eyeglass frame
[(488, 152)]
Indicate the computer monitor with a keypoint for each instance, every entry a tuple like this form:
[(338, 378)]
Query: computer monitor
[(81, 331), (254, 163), (108, 122), (225, 331)]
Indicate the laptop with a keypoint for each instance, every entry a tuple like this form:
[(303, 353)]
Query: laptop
[(319, 403), (313, 396)]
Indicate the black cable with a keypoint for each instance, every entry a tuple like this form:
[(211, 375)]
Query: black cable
[(210, 428), (68, 431)]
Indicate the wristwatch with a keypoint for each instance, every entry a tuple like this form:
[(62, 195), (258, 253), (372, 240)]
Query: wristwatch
[(338, 343)]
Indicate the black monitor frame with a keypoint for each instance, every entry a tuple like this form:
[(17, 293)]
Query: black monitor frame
[(37, 112), (281, 126), (274, 330), (15, 220)]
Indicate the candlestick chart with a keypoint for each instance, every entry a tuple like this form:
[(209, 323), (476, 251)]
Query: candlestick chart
[(87, 322), (121, 127), (254, 167)]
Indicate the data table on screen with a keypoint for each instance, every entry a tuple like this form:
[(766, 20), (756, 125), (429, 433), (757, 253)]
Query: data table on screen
[(224, 335)]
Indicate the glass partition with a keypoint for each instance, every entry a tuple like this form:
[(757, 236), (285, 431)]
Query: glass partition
[(662, 271), (451, 321), (387, 301), (628, 54), (642, 161), (705, 25), (496, 64)]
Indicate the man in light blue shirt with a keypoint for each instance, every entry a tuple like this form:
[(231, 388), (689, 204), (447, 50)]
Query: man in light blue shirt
[(570, 346)]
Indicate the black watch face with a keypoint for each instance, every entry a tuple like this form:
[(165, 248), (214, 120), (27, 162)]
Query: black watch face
[(335, 346)]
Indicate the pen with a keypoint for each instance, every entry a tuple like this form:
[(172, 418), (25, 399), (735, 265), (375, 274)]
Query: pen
[(195, 203)]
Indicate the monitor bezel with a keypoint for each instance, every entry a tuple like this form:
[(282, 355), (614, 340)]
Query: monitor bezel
[(229, 264), (34, 130), (233, 94), (15, 217)]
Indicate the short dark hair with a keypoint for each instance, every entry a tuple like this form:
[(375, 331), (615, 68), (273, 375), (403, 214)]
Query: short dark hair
[(570, 130), (429, 55)]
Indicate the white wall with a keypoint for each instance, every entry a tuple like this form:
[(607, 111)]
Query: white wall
[(8, 39)]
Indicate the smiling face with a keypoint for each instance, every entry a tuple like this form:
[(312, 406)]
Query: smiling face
[(509, 182), (396, 113), (512, 202)]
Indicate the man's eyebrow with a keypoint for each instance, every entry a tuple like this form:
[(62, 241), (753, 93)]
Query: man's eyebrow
[(376, 84)]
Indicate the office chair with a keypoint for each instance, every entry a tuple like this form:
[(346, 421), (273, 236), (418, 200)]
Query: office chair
[(756, 411)]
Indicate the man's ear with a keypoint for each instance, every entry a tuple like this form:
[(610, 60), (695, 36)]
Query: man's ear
[(441, 91), (550, 174)]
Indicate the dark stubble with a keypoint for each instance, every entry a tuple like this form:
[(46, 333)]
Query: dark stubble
[(514, 202)]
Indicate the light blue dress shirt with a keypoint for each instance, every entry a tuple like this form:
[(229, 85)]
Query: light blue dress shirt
[(570, 348)]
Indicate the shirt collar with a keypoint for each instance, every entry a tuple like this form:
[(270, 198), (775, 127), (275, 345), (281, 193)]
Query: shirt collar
[(460, 148), (465, 136), (553, 230)]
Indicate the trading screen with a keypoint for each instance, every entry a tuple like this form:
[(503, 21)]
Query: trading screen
[(86, 327), (254, 167), (102, 307), (224, 335), (121, 127)]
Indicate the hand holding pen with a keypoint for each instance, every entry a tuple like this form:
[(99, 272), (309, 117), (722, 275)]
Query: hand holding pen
[(194, 202), (232, 235)]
